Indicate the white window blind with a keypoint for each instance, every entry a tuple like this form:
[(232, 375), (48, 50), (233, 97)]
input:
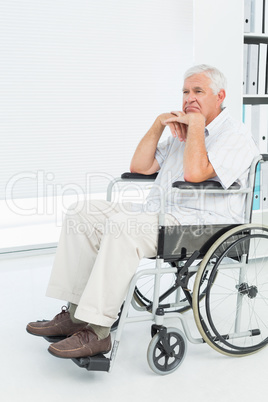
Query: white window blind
[(81, 82)]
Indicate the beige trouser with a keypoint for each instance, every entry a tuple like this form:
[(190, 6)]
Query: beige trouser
[(99, 250)]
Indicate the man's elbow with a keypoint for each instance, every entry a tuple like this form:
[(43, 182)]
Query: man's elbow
[(144, 169), (192, 178), (134, 169), (197, 176), (198, 173)]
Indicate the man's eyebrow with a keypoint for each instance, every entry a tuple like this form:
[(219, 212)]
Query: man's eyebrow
[(195, 88)]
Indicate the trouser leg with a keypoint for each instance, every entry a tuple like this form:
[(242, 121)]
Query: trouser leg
[(117, 261), (78, 247), (98, 254)]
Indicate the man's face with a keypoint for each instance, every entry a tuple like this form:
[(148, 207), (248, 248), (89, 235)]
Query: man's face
[(199, 98)]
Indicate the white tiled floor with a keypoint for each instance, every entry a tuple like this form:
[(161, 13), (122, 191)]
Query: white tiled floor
[(29, 373)]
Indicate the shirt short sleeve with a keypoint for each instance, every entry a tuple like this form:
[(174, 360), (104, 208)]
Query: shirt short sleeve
[(231, 156), (162, 150)]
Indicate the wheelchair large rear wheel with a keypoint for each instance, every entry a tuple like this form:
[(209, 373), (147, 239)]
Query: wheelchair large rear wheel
[(233, 316)]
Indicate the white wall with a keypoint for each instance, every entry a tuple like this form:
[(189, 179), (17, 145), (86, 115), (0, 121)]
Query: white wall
[(218, 40), (81, 82)]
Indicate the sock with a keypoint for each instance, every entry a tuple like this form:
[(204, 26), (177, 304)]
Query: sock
[(101, 332), (72, 309)]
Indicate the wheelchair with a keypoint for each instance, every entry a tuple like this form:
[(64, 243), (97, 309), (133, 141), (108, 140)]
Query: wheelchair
[(220, 272)]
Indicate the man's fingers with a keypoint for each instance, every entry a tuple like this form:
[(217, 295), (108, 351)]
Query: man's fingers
[(184, 131), (177, 129), (178, 113), (173, 129), (171, 120)]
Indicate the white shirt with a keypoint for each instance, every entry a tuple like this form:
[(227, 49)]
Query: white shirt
[(230, 149)]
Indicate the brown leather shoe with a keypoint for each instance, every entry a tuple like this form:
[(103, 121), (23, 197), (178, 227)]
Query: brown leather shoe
[(83, 343), (61, 325)]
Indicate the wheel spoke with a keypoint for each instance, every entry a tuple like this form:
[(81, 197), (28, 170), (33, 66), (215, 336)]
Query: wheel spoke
[(161, 360), (233, 318)]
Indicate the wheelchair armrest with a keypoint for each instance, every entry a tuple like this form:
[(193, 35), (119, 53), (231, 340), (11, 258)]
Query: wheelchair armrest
[(128, 176), (138, 176), (208, 184)]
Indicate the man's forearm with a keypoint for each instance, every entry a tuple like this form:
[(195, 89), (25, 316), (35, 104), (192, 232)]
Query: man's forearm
[(143, 160), (196, 165)]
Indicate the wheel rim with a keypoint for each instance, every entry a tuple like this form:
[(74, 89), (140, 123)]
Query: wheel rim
[(236, 302), (163, 361)]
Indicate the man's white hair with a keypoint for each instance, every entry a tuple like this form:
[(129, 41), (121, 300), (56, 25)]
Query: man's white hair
[(218, 80)]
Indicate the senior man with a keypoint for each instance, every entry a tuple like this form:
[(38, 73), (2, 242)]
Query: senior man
[(102, 243)]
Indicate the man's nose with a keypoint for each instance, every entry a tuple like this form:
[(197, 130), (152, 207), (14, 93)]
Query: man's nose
[(191, 97)]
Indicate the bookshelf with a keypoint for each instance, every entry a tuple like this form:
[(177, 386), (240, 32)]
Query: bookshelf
[(255, 71), (255, 38), (255, 91), (254, 99)]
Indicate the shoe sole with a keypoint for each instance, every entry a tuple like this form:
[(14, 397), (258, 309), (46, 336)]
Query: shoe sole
[(78, 357), (49, 338)]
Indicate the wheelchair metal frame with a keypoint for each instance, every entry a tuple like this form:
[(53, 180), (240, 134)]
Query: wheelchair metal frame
[(156, 314)]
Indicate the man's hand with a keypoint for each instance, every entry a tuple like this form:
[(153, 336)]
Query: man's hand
[(144, 160), (177, 128), (190, 128), (180, 121)]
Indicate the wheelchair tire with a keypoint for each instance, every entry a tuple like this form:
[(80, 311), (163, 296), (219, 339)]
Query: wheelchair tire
[(161, 360), (233, 316)]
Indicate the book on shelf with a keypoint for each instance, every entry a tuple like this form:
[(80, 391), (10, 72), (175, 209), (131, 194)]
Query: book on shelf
[(262, 69), (255, 74), (252, 69), (265, 18), (260, 199), (245, 68), (264, 186), (247, 116), (255, 14), (255, 118), (247, 16)]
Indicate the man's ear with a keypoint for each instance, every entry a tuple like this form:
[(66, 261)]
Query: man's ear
[(221, 96)]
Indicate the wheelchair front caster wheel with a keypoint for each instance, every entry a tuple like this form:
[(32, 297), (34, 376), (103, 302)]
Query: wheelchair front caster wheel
[(166, 350)]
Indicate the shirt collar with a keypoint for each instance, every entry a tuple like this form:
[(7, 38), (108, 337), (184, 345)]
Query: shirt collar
[(210, 128)]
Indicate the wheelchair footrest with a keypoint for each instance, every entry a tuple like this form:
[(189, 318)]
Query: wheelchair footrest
[(93, 363)]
